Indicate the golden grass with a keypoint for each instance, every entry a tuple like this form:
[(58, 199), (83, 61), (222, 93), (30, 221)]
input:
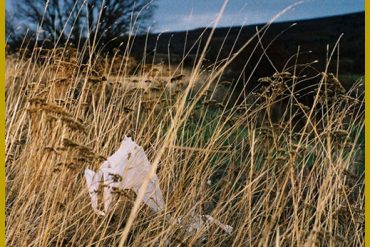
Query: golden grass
[(277, 182)]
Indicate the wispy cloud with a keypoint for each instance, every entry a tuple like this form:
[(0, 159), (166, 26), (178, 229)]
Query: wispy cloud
[(176, 15), (191, 21)]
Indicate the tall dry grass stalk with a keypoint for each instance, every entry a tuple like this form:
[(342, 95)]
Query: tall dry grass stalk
[(277, 181)]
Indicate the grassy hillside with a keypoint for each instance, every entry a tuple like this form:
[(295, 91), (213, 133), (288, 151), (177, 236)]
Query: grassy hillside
[(311, 35)]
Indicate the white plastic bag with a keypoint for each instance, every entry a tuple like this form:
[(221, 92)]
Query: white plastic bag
[(127, 168)]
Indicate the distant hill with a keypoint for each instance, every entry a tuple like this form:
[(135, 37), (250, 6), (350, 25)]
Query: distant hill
[(313, 34), (310, 35)]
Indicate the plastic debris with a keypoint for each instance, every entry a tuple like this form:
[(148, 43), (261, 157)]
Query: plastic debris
[(127, 168), (196, 222), (207, 220)]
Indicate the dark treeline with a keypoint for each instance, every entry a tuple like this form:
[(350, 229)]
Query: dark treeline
[(313, 37), (310, 35)]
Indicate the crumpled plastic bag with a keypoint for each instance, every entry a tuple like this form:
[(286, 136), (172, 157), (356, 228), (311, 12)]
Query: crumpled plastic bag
[(127, 168)]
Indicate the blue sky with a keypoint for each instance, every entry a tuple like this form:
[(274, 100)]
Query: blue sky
[(189, 14), (174, 15)]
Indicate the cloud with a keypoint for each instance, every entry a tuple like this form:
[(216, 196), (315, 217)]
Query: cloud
[(191, 14), (192, 21)]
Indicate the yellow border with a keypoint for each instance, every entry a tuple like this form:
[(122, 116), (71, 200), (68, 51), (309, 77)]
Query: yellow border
[(2, 128), (367, 123)]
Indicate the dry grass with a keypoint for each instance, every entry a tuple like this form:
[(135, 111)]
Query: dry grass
[(276, 181)]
